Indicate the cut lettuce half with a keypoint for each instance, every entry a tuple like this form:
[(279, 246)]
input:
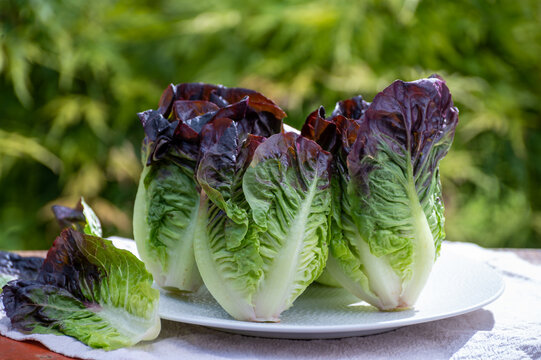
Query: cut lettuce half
[(165, 210), (87, 289), (388, 220), (264, 219), (394, 194), (167, 200)]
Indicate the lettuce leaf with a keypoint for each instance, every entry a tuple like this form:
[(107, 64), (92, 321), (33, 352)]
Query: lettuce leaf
[(87, 289), (81, 218), (13, 266), (388, 220)]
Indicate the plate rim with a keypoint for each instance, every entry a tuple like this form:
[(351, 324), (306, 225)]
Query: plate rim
[(284, 328)]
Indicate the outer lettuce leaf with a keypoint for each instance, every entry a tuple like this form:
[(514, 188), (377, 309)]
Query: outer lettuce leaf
[(287, 187), (87, 289), (327, 279), (167, 200), (13, 266), (263, 236), (392, 212), (70, 217), (337, 135), (81, 218)]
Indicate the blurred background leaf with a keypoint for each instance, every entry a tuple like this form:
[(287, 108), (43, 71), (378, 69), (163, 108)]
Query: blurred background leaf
[(74, 74)]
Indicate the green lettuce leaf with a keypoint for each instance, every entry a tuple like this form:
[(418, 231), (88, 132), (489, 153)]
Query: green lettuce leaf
[(87, 289)]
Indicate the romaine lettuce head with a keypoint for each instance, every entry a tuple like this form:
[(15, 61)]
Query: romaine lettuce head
[(167, 199), (87, 289), (391, 210), (264, 218), (196, 104)]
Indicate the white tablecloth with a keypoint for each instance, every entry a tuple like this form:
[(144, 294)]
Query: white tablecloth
[(509, 328)]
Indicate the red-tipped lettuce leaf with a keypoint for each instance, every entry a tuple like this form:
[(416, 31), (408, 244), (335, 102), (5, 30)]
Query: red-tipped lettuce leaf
[(13, 266), (87, 289), (353, 108)]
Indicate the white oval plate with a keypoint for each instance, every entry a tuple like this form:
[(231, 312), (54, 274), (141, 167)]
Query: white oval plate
[(456, 286)]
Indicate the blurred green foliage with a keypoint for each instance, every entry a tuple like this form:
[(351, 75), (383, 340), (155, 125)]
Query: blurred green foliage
[(74, 73)]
